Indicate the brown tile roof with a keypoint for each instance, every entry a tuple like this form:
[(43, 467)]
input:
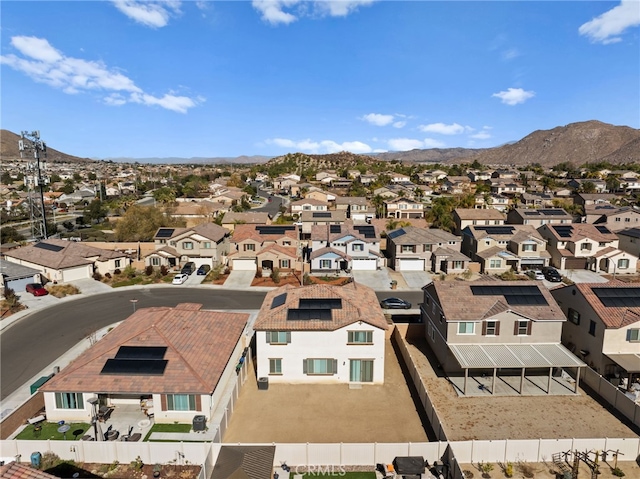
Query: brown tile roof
[(359, 303), (258, 218), (581, 231), (612, 317), (199, 344), (520, 232), (242, 232), (479, 214), (460, 304), (71, 254), (347, 228), (16, 470), (309, 201), (415, 235), (289, 251)]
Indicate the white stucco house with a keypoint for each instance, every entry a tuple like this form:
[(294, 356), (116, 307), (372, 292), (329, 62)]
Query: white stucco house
[(321, 334)]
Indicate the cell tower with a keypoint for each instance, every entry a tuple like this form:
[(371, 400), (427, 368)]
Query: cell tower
[(35, 181)]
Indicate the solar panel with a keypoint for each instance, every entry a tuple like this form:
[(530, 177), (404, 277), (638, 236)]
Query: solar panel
[(618, 297), (563, 231), (531, 213), (274, 230), (320, 303), (552, 212), (514, 295), (146, 367), (321, 214), (496, 230), (141, 352), (307, 314), (367, 231), (603, 229), (49, 247), (165, 233), (396, 233), (279, 300), (335, 228)]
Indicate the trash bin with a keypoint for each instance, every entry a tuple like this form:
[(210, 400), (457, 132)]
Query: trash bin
[(263, 383), (199, 423), (36, 457)]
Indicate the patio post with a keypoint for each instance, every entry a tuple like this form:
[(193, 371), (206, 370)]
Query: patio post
[(577, 380), (493, 382), (466, 375), (522, 380), (549, 380)]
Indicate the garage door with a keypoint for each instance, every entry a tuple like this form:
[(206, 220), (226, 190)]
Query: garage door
[(73, 274), (410, 264), (244, 264), (364, 264), (575, 263)]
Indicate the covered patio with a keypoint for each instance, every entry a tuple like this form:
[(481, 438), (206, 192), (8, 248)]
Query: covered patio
[(498, 365)]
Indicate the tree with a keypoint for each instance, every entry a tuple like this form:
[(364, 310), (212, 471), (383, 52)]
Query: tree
[(6, 178), (587, 187), (8, 234), (140, 223), (96, 211), (164, 195), (68, 187), (92, 176)]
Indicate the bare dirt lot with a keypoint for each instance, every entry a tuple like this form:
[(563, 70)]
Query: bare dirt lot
[(298, 413), (518, 417), (547, 471)]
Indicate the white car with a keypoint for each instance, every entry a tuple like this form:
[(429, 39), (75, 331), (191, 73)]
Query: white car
[(180, 278), (535, 274)]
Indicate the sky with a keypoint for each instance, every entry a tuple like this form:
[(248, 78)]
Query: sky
[(136, 79)]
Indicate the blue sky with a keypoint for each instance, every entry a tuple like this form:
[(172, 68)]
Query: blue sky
[(135, 79)]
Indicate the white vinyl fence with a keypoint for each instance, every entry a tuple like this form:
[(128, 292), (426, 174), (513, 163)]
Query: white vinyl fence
[(612, 395)]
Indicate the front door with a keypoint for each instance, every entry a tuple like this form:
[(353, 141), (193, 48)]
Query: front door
[(361, 370)]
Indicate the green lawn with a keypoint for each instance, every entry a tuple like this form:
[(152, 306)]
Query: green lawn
[(50, 431), (168, 428)]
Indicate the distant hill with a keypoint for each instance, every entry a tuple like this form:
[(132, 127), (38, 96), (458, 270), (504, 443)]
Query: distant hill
[(578, 143), (237, 160), (434, 155), (9, 150)]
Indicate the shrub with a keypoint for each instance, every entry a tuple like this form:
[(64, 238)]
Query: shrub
[(49, 460), (485, 468), (130, 271), (107, 275), (137, 464), (217, 272), (97, 276), (617, 472), (117, 271), (164, 270), (259, 273), (275, 275), (11, 299), (148, 270)]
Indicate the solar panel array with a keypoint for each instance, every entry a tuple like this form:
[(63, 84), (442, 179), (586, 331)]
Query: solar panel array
[(514, 295), (279, 300), (618, 297), (603, 229), (141, 352), (396, 233), (165, 233), (367, 231), (496, 230), (49, 247), (137, 360), (532, 213), (308, 314), (321, 214), (563, 230), (274, 229), (320, 303), (552, 212), (335, 228)]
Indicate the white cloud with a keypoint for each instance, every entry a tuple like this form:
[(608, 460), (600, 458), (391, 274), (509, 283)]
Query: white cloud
[(510, 54), (273, 11), (318, 147), (404, 144), (377, 119), (514, 96), (399, 124), (442, 129), (481, 135), (44, 64), (154, 14), (607, 27)]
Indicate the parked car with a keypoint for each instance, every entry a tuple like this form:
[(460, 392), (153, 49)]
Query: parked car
[(535, 274), (188, 268), (36, 289), (180, 278), (203, 269), (551, 274), (395, 303)]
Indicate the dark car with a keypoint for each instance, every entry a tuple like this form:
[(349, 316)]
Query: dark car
[(36, 289), (551, 274), (203, 269), (395, 303), (188, 268)]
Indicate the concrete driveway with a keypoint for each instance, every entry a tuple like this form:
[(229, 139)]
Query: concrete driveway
[(91, 286), (582, 276), (378, 280), (239, 279), (416, 279)]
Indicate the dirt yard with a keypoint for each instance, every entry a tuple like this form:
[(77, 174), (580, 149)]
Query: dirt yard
[(524, 417), (547, 471)]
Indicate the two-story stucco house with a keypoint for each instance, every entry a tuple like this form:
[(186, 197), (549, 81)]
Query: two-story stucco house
[(309, 219), (307, 204), (497, 330), (423, 249), (346, 246), (617, 219), (538, 217), (321, 334), (356, 207), (463, 217), (604, 326), (629, 241), (265, 246), (403, 208), (206, 244)]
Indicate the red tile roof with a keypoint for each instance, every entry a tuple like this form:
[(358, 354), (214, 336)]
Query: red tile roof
[(612, 317), (15, 470), (199, 344)]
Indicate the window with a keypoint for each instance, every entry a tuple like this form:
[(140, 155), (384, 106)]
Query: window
[(592, 328), (427, 247), (602, 244), (117, 263), (249, 247), (357, 247), (627, 220), (523, 328), (361, 370), (206, 245), (285, 263), (466, 328), (407, 248), (457, 264), (275, 366), (187, 245), (306, 207), (495, 263), (278, 337), (491, 328), (618, 219), (172, 243), (585, 247), (319, 366), (528, 247), (573, 316), (155, 261), (360, 337), (325, 264), (69, 401), (634, 335), (623, 263), (181, 402)]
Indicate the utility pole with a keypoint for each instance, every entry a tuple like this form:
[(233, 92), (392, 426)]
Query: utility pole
[(30, 141)]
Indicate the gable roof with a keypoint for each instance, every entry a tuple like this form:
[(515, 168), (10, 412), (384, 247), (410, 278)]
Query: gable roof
[(478, 214), (580, 231), (258, 217), (347, 228), (359, 303), (210, 231), (415, 235), (242, 232), (630, 232), (199, 344), (612, 317), (16, 470)]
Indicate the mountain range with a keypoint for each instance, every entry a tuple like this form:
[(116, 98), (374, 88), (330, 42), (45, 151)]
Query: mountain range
[(578, 143)]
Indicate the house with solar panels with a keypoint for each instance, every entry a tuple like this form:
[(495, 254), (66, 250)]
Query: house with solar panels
[(206, 243), (321, 334), (498, 337), (505, 247), (310, 219), (538, 217), (163, 363), (587, 246), (265, 246), (64, 261), (344, 247), (603, 327)]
